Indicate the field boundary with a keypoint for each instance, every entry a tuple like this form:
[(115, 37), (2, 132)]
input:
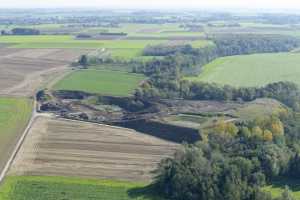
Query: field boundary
[(19, 143)]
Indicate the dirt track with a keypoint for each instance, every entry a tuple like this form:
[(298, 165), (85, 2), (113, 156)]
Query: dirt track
[(23, 71), (68, 148)]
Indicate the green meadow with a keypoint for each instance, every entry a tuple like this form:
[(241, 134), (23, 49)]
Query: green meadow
[(14, 115), (55, 188), (123, 49), (278, 186), (67, 41), (252, 70), (104, 82)]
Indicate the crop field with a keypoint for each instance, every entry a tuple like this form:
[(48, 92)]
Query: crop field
[(132, 29), (101, 81), (22, 71), (252, 70), (54, 188), (124, 48), (14, 116), (67, 41), (256, 28), (58, 147)]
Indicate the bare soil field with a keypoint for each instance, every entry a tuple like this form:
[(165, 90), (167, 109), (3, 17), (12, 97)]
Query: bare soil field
[(22, 71), (58, 147)]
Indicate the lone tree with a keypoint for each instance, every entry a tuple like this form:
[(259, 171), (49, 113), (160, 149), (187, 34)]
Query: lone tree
[(83, 61)]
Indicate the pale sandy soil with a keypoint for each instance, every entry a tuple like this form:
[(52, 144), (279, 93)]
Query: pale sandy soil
[(59, 147)]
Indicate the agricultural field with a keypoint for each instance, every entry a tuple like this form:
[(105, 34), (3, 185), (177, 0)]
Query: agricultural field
[(139, 36), (256, 28), (14, 116), (149, 30), (67, 41), (23, 71), (104, 82), (252, 70), (132, 29), (54, 188), (59, 147)]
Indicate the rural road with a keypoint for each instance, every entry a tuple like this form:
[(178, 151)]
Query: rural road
[(34, 115)]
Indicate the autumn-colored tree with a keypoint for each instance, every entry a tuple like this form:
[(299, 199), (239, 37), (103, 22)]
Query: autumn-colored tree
[(257, 132), (277, 127), (220, 127), (226, 128), (268, 136)]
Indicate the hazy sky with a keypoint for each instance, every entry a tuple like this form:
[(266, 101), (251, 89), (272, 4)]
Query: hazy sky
[(246, 4)]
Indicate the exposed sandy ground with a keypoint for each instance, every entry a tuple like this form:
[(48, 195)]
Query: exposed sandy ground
[(70, 148), (23, 71)]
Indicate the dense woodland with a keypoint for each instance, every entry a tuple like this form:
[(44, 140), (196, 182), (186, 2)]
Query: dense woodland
[(234, 160), (229, 45)]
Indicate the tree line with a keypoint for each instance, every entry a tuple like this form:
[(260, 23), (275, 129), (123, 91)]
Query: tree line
[(241, 44), (166, 74), (21, 31)]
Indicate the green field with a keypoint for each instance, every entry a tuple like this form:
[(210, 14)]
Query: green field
[(14, 115), (252, 70), (61, 188), (104, 82), (278, 186), (67, 41), (122, 49)]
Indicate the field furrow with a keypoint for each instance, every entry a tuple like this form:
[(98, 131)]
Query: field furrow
[(58, 147)]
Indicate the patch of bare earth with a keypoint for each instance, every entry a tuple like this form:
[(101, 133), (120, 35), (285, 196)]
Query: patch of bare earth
[(23, 71), (61, 147)]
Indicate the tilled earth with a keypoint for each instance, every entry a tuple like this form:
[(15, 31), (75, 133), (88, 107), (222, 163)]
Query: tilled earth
[(23, 71), (70, 148)]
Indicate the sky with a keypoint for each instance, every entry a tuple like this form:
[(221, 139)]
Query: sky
[(155, 4)]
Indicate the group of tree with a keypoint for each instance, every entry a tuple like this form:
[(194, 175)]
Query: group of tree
[(187, 58), (21, 31), (172, 87), (241, 44), (165, 74), (233, 161)]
